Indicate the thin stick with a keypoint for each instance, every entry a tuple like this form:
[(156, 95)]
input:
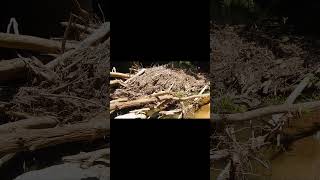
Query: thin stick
[(136, 75)]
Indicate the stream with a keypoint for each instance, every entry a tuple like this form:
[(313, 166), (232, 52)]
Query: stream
[(301, 161), (203, 112)]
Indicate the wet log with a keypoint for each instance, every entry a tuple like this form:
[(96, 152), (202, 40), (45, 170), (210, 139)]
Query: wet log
[(32, 43), (32, 139), (254, 114)]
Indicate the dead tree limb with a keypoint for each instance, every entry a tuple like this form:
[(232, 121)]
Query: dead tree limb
[(86, 155), (31, 43), (119, 75), (251, 115), (31, 123), (294, 95), (13, 69), (18, 68), (79, 26), (94, 38), (137, 102), (154, 98), (24, 140)]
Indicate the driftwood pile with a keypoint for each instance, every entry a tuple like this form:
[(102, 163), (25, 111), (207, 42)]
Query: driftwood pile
[(260, 83), (63, 99), (157, 92)]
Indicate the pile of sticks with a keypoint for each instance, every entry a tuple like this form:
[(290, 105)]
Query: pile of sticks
[(159, 100)]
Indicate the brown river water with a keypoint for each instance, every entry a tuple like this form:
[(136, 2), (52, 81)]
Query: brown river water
[(300, 162), (203, 112)]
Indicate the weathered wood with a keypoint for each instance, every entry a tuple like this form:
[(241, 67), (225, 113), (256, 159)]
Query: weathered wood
[(18, 68), (135, 76), (86, 155), (116, 82), (31, 123), (13, 69), (119, 75), (94, 38), (32, 139), (252, 115), (154, 98), (6, 158), (78, 26), (137, 102), (30, 43), (294, 95)]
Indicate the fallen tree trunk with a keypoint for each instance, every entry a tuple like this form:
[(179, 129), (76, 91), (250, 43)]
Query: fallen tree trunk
[(31, 123), (251, 115), (13, 69), (94, 38), (18, 68), (31, 43), (24, 140), (294, 95)]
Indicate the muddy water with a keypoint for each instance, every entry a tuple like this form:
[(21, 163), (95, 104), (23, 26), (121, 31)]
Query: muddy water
[(203, 112), (300, 162)]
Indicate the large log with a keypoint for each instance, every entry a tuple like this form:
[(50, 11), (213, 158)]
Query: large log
[(31, 123), (13, 69), (18, 68), (31, 43), (32, 139), (254, 114)]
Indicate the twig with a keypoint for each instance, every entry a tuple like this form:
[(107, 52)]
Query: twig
[(134, 76)]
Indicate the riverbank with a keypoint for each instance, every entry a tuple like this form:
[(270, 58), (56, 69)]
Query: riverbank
[(262, 79)]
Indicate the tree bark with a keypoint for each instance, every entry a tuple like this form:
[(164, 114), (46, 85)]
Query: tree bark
[(251, 115), (31, 43), (32, 139)]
